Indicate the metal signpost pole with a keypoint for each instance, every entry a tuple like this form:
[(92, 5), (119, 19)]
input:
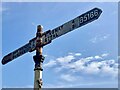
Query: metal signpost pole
[(38, 59)]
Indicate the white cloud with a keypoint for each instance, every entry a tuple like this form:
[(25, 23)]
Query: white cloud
[(104, 68), (92, 68), (68, 77), (50, 64), (78, 54), (75, 54), (91, 65), (94, 40), (45, 55), (81, 69), (105, 55), (66, 59), (33, 24), (99, 38), (98, 57), (70, 53), (89, 58)]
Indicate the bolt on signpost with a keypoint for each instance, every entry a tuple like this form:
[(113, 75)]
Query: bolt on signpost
[(44, 38)]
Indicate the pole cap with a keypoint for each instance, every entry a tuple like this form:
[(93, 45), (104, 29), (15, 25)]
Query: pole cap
[(39, 28)]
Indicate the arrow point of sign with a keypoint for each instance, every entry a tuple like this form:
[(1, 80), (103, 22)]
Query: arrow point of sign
[(100, 11), (4, 60)]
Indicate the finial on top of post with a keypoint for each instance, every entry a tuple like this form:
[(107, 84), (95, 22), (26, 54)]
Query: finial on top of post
[(39, 28)]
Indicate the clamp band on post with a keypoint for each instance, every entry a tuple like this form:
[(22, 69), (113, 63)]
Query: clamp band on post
[(38, 60)]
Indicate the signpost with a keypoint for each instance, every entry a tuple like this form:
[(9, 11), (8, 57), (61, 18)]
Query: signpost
[(45, 38)]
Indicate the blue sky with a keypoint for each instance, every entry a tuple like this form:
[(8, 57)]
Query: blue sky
[(85, 57)]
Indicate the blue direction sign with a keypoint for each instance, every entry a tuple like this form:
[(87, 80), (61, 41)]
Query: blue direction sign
[(49, 35)]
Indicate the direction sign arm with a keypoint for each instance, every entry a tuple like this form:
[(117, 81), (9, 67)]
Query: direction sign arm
[(77, 22), (22, 50), (72, 24), (49, 35)]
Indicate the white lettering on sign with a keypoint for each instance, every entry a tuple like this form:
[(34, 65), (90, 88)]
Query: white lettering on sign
[(32, 44), (21, 51), (16, 53), (49, 35), (71, 25), (88, 16)]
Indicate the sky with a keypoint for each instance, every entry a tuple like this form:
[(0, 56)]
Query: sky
[(83, 58)]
